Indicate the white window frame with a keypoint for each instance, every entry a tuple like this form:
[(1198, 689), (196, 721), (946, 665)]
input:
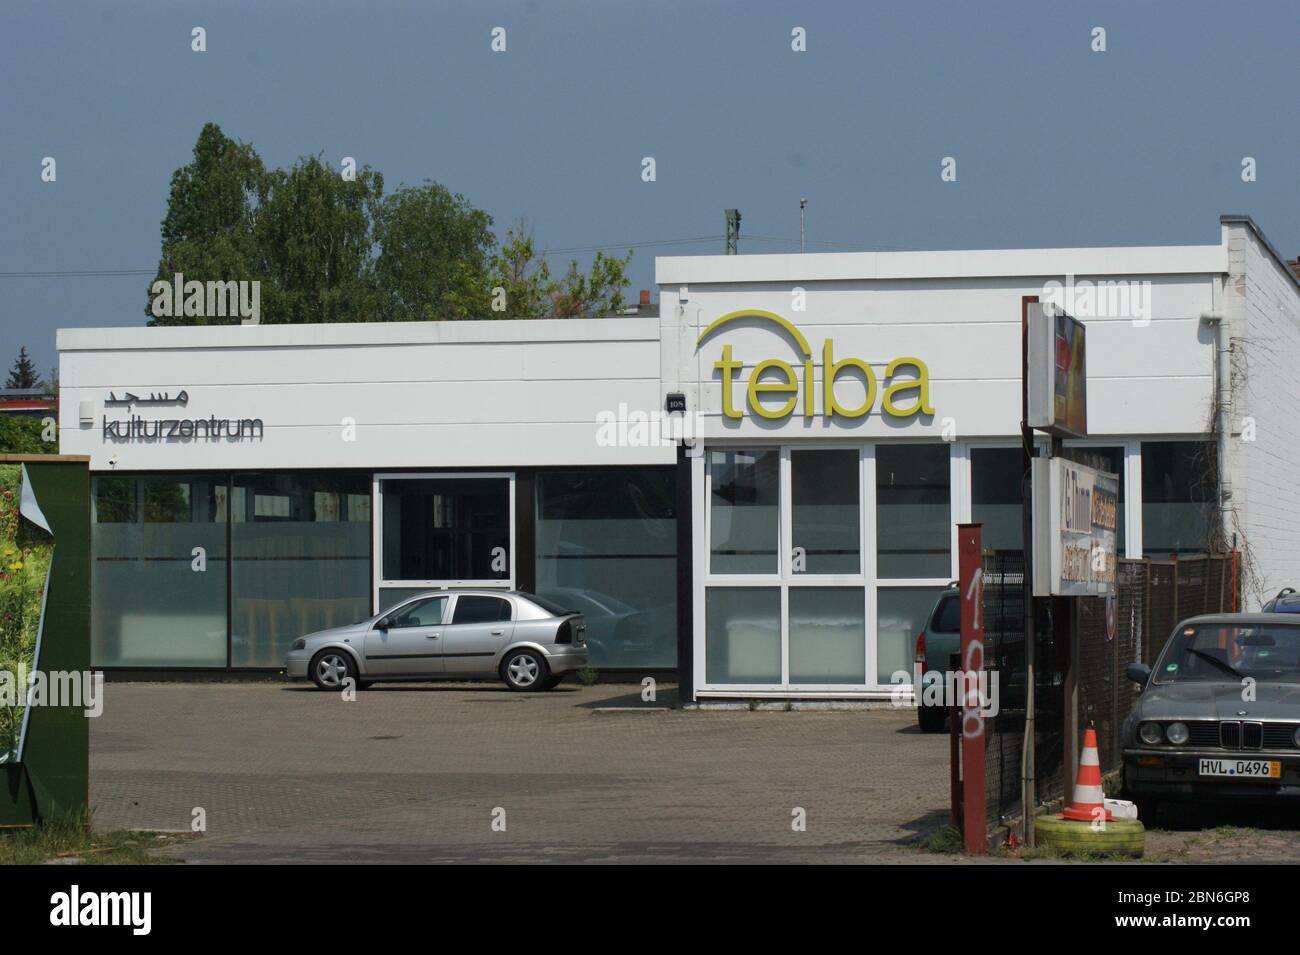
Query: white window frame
[(377, 529), (783, 579)]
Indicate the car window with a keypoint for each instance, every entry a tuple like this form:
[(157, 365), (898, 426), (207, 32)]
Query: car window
[(476, 608), (947, 616), (422, 613), (1227, 653), (551, 605)]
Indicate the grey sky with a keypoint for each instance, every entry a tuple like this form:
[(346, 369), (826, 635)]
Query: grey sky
[(1055, 145)]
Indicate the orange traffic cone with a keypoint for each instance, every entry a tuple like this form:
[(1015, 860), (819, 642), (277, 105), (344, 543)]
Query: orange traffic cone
[(1089, 800)]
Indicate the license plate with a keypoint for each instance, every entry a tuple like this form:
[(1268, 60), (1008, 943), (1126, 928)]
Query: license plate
[(1250, 768)]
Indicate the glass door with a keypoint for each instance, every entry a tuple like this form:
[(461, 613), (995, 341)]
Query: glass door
[(442, 530)]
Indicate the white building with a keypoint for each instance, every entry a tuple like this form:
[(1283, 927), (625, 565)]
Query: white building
[(792, 544)]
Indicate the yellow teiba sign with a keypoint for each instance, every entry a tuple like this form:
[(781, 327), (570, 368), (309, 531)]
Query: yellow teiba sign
[(774, 377)]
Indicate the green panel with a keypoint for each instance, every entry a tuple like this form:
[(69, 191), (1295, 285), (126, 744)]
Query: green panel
[(53, 778)]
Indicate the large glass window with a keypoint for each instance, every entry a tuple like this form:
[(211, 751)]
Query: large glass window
[(301, 549), (913, 511), (826, 525), (743, 635), (827, 635), (743, 519), (446, 529), (159, 577), (1177, 496), (995, 481), (607, 548)]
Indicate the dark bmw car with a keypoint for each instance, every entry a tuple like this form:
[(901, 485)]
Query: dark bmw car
[(1219, 715)]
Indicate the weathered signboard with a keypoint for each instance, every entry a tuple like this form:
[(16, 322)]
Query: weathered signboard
[(1076, 510)]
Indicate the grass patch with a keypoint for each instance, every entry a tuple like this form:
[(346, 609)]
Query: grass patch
[(946, 840), (73, 842), (587, 676)]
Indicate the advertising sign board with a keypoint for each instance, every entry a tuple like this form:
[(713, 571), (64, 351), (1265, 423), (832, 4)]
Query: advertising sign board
[(1058, 376), (1075, 519)]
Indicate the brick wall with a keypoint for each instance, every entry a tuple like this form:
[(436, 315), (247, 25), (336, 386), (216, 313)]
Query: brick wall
[(1262, 309)]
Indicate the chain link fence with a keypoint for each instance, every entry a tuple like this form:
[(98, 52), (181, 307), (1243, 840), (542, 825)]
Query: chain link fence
[(1153, 596)]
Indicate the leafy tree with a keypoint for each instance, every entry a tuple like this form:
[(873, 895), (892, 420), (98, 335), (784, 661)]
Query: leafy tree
[(23, 373), (329, 249), (531, 292), (434, 251), (315, 245), (208, 232)]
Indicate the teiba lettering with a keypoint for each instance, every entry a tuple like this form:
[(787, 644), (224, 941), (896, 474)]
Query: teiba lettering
[(906, 390)]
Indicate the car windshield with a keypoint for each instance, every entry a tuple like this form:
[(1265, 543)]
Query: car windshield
[(1228, 653)]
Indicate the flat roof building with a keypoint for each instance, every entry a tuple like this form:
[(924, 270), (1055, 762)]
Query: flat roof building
[(757, 487)]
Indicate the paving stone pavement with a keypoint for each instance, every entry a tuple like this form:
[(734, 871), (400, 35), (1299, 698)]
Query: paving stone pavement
[(413, 773)]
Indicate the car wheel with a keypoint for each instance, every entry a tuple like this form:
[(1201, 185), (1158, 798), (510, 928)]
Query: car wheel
[(330, 668), (524, 670), (552, 682), (931, 718)]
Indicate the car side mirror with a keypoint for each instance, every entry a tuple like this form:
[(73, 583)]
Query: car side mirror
[(383, 624), (1139, 673)]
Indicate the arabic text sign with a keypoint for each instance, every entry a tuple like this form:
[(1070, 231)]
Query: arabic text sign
[(136, 427), (1076, 515)]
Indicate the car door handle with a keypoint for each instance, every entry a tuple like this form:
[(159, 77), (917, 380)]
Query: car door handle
[(497, 633), (432, 636)]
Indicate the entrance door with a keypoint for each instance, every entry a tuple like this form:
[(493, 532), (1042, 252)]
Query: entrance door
[(409, 641), (442, 530), (480, 627)]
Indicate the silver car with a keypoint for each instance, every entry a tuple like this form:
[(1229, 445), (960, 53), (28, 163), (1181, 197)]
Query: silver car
[(527, 641)]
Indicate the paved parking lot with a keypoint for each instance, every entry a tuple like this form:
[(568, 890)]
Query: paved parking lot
[(415, 773)]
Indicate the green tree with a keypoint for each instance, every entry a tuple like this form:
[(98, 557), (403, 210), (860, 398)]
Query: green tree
[(434, 249), (315, 245), (208, 232), (330, 249), (23, 373), (531, 292)]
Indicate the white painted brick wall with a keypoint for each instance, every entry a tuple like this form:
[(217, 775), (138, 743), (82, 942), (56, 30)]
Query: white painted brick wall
[(1262, 307)]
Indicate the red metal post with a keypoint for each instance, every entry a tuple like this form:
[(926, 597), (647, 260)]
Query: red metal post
[(970, 579)]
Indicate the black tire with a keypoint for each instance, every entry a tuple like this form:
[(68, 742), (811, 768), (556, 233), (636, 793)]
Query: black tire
[(931, 719), (552, 682), (524, 671), (325, 671)]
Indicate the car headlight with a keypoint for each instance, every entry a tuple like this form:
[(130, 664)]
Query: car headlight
[(1177, 733), (300, 643), (1296, 736), (1151, 734)]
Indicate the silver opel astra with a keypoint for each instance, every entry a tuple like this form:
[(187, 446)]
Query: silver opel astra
[(527, 641)]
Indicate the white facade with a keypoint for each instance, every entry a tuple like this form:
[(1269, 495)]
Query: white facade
[(366, 395), (1162, 324)]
